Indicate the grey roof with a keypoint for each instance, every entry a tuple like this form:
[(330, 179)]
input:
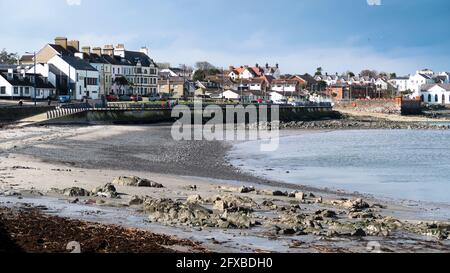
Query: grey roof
[(78, 63), (134, 57), (445, 86), (18, 80)]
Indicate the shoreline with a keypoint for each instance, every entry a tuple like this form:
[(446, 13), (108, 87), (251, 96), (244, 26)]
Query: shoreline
[(54, 157)]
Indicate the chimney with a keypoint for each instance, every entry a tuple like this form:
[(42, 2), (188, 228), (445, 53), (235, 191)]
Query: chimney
[(75, 44), (61, 41), (108, 50), (97, 51), (277, 66), (120, 50), (86, 50), (267, 65), (144, 50), (257, 65)]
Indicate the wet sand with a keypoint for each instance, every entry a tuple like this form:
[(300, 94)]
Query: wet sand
[(33, 161)]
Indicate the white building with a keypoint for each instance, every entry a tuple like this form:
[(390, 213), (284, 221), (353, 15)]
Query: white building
[(436, 94), (84, 78), (401, 83), (230, 95), (415, 83), (19, 84)]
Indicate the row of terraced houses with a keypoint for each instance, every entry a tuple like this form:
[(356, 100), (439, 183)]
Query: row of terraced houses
[(63, 68)]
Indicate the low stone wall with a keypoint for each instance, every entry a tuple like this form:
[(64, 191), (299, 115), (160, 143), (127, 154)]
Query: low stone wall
[(399, 106), (11, 114), (150, 116)]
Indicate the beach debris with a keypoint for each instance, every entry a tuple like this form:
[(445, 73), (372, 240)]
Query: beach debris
[(243, 189), (134, 181), (107, 191)]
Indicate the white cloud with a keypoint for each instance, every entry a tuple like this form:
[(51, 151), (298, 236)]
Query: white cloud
[(73, 2), (374, 2)]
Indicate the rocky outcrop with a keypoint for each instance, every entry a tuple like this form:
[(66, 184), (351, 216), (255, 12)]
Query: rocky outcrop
[(107, 191), (134, 181)]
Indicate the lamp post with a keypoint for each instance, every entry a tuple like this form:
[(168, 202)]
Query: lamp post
[(34, 76)]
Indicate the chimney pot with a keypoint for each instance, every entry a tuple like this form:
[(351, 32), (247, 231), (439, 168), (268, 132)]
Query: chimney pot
[(75, 44), (61, 41)]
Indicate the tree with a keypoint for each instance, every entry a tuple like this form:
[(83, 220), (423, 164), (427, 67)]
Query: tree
[(121, 82), (393, 75), (199, 75), (369, 73), (318, 71), (204, 66), (8, 58), (350, 74)]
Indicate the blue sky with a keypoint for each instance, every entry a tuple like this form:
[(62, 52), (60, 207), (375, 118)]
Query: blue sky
[(338, 35)]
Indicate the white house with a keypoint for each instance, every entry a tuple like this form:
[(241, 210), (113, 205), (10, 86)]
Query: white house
[(401, 83), (230, 95), (19, 84), (415, 83), (436, 93), (277, 96), (84, 78)]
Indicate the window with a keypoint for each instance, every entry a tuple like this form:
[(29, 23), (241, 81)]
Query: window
[(422, 98), (2, 90), (436, 98), (429, 98), (27, 90), (16, 90)]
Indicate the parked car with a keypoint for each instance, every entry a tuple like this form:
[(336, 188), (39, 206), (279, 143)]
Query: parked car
[(280, 102), (136, 98), (65, 99), (124, 98), (154, 98), (112, 98)]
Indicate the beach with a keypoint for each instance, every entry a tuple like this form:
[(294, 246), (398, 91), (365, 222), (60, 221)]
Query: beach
[(221, 207)]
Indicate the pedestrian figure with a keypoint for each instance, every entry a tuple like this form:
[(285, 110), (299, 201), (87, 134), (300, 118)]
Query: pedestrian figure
[(49, 101), (20, 103)]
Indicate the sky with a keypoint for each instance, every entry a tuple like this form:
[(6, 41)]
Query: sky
[(399, 36)]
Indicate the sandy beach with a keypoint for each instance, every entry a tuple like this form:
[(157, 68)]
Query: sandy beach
[(228, 211)]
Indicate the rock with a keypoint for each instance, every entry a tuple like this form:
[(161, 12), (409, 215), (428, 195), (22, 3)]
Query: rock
[(242, 189), (136, 201), (107, 191), (238, 220), (75, 192), (135, 181), (354, 205), (195, 199), (232, 203), (300, 196), (359, 233), (326, 213)]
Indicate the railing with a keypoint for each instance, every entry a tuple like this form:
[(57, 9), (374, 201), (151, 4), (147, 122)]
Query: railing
[(67, 110)]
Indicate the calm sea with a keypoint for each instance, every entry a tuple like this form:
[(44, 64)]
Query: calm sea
[(400, 164)]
